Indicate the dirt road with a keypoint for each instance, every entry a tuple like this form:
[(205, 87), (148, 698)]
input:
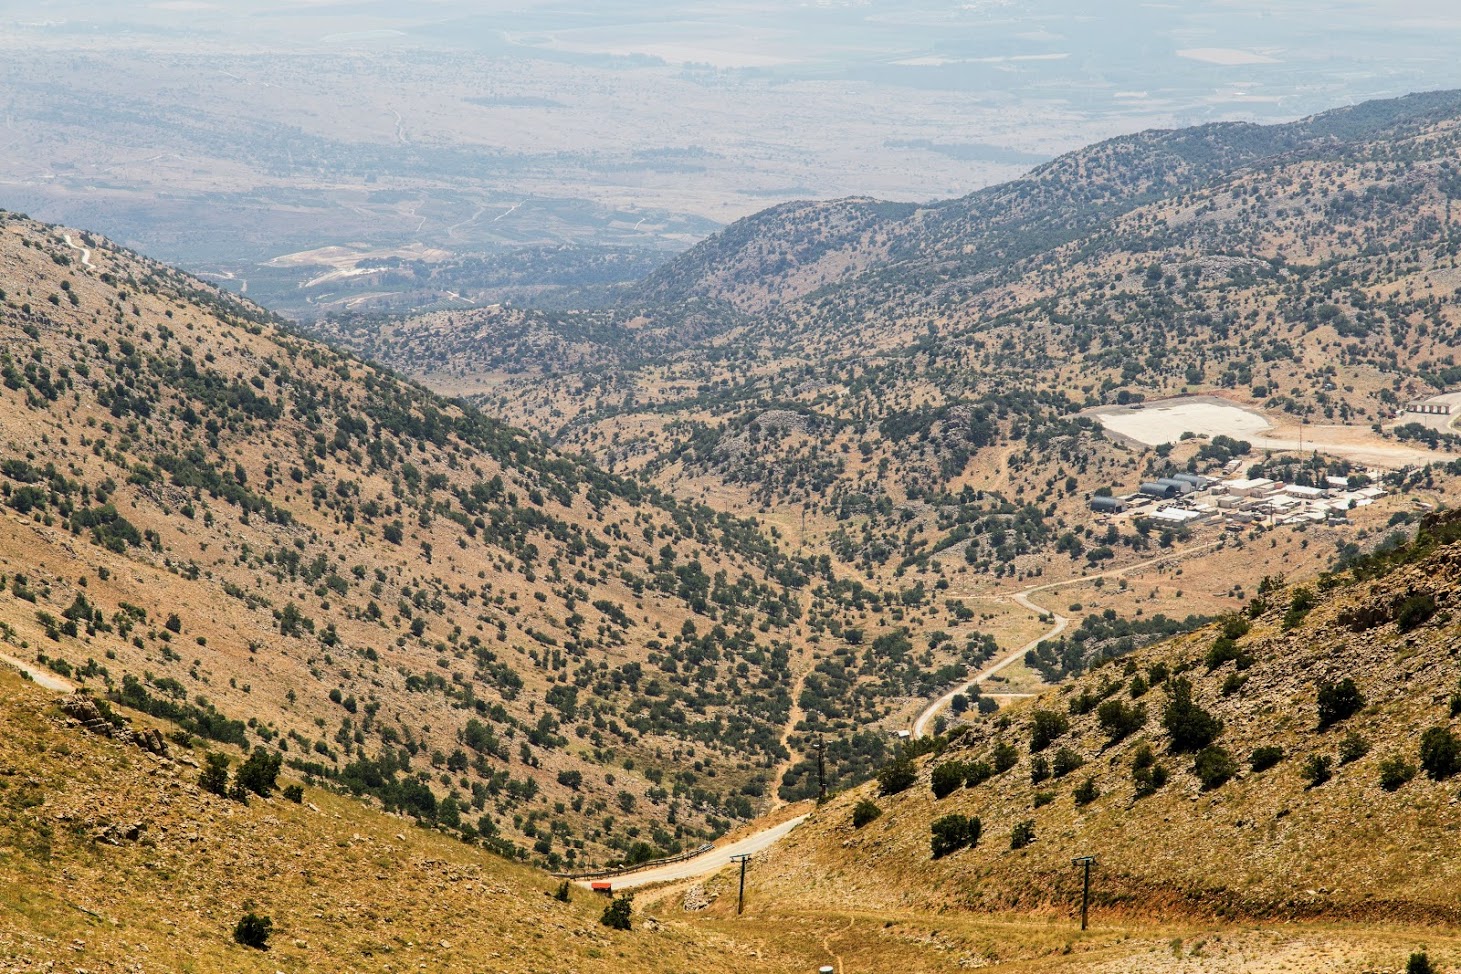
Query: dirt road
[(712, 861), (42, 677), (924, 719)]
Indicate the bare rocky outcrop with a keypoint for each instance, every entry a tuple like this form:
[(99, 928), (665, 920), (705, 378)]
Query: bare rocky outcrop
[(95, 717)]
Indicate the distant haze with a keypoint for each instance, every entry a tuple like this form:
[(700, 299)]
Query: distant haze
[(221, 135)]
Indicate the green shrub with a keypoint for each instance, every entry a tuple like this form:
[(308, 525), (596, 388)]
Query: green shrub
[(1318, 769), (294, 793), (1225, 650), (1039, 769), (947, 778), (977, 773), (1120, 720), (214, 777), (864, 812), (1148, 776), (617, 913), (1440, 753), (1339, 701), (1006, 756), (1419, 964), (1352, 748), (1415, 611), (1265, 757), (1190, 727), (1300, 604), (561, 893), (1213, 767), (1066, 761), (1395, 773), (1086, 792), (1045, 727), (1023, 834), (897, 775), (253, 931), (952, 833), (1043, 798), (260, 773)]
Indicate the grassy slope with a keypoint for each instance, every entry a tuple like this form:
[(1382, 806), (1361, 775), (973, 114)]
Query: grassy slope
[(347, 888), (1264, 845)]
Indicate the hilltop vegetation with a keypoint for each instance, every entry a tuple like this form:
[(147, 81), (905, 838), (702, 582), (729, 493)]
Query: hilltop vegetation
[(275, 545)]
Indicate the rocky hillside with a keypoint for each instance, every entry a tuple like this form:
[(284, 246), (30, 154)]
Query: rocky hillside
[(275, 545), (884, 368), (113, 859), (1297, 761)]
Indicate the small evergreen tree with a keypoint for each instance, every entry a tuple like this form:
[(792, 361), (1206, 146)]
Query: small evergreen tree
[(1023, 834), (897, 775), (1213, 767), (947, 778), (1419, 964), (1352, 748), (1318, 769), (617, 913), (1190, 727), (1339, 701), (260, 773), (1120, 720), (214, 777), (1045, 727), (864, 812), (1265, 757), (1440, 753), (1066, 761), (1087, 792), (952, 833), (1148, 776), (1395, 773), (253, 931), (977, 773)]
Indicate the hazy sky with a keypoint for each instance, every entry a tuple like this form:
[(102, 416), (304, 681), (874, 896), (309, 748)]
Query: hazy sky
[(429, 120)]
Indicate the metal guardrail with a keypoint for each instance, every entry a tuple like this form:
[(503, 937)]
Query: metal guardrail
[(626, 870)]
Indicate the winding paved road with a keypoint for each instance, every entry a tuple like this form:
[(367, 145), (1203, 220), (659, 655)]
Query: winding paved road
[(85, 254), (924, 719), (711, 862)]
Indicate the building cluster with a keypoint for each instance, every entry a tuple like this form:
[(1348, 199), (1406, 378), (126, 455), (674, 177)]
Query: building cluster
[(1185, 500)]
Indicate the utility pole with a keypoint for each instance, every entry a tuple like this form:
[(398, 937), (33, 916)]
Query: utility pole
[(821, 770), (1086, 862), (741, 899)]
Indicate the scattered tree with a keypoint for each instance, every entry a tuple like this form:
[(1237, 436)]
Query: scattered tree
[(1338, 701), (1190, 727), (253, 931), (864, 812), (954, 832), (617, 913)]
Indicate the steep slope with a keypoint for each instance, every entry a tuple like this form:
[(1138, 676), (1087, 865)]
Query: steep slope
[(113, 859), (208, 518), (1294, 762)]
